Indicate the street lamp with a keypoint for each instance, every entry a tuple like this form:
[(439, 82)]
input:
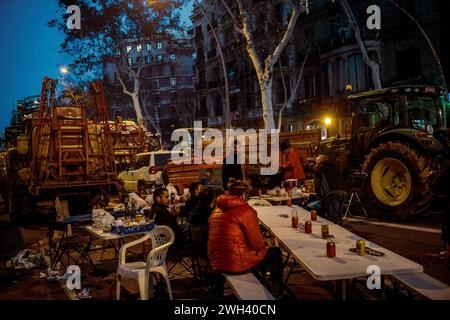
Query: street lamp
[(222, 58), (64, 70)]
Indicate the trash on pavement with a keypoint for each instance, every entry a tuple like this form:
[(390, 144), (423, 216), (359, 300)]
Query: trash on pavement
[(26, 259)]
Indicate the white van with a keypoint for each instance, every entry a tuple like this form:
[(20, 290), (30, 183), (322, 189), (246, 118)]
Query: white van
[(145, 171)]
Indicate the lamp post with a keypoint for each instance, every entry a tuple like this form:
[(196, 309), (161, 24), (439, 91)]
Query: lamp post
[(222, 58)]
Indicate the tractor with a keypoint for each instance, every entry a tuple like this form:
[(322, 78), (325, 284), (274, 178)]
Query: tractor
[(398, 138)]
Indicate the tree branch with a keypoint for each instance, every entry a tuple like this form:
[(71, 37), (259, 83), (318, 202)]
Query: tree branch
[(288, 104), (374, 66), (273, 58), (124, 88), (251, 49), (427, 38), (233, 17)]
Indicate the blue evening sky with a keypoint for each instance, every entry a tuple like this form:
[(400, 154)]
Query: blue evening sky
[(29, 50)]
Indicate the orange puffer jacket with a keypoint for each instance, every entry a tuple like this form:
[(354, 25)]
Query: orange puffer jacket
[(235, 242)]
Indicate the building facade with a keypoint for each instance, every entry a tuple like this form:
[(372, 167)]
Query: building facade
[(166, 82), (334, 60)]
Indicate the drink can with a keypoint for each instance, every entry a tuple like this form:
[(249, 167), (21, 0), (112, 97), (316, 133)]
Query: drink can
[(325, 231), (331, 249), (314, 215), (360, 247), (308, 227)]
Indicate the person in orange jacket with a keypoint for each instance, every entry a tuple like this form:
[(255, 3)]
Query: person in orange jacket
[(290, 162), (235, 242)]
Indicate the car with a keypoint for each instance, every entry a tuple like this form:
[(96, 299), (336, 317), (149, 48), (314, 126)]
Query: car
[(145, 171)]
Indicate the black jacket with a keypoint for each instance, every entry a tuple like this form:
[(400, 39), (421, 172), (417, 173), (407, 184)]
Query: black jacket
[(190, 204), (231, 171), (163, 217), (327, 178), (199, 215)]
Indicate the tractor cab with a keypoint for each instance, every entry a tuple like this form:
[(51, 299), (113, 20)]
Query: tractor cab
[(414, 113)]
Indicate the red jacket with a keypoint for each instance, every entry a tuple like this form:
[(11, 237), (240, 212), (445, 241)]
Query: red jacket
[(235, 242), (293, 168)]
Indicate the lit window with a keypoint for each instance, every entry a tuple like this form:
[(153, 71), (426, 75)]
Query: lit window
[(159, 45), (194, 56), (128, 49), (139, 48), (173, 56), (160, 57), (173, 82), (149, 59), (117, 52), (130, 62), (149, 47)]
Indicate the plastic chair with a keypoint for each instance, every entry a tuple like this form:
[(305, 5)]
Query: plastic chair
[(162, 238), (255, 202)]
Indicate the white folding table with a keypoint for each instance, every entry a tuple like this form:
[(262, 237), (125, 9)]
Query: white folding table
[(309, 250)]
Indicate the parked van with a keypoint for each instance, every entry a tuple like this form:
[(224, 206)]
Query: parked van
[(145, 171)]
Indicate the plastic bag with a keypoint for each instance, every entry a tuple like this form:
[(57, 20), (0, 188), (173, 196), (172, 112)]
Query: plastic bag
[(138, 201), (26, 259), (102, 219), (173, 191)]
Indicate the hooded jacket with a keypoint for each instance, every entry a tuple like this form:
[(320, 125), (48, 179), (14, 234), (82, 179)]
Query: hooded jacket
[(235, 242), (292, 166), (327, 178)]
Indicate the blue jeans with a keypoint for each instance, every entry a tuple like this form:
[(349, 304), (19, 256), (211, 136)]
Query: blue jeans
[(333, 206)]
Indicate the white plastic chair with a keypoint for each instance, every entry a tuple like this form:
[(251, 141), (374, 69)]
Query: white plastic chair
[(256, 202), (162, 238)]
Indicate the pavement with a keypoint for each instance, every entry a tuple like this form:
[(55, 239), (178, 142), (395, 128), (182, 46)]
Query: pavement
[(418, 240)]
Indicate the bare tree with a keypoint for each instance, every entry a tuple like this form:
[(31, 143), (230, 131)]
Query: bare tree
[(107, 27), (135, 74), (264, 66), (294, 89), (372, 64), (427, 39)]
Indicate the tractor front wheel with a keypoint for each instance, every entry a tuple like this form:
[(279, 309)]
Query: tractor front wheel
[(398, 180)]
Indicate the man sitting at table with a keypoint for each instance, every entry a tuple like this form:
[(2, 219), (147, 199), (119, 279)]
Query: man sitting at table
[(163, 217), (331, 188), (198, 219), (235, 242), (194, 191)]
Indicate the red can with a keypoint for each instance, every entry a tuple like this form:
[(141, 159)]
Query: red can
[(331, 249), (308, 227), (314, 215)]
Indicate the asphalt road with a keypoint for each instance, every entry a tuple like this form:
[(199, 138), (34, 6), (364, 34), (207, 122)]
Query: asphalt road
[(418, 239)]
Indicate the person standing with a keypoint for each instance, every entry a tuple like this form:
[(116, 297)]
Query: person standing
[(442, 196), (290, 162), (331, 188)]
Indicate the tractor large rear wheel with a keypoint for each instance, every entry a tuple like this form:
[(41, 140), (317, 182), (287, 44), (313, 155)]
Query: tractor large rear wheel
[(398, 183)]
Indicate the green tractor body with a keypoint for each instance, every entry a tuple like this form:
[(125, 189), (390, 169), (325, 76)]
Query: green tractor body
[(399, 138)]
